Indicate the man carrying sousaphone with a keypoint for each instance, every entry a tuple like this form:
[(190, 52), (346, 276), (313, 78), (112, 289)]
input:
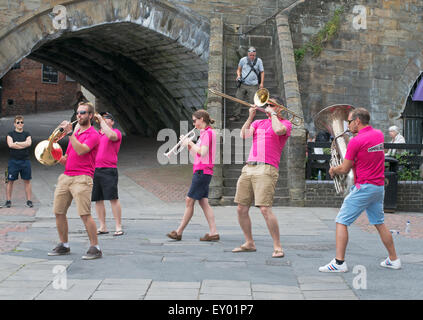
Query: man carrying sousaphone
[(77, 181), (260, 174), (365, 155)]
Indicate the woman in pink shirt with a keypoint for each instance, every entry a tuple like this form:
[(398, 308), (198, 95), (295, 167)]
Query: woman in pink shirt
[(204, 152)]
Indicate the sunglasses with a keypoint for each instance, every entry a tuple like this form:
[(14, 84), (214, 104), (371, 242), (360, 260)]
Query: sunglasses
[(349, 121), (19, 122), (81, 112)]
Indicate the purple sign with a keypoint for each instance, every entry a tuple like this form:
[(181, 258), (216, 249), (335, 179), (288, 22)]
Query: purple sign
[(418, 94)]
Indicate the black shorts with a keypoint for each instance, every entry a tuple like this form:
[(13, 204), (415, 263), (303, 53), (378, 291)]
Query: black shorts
[(16, 167), (200, 185), (105, 185)]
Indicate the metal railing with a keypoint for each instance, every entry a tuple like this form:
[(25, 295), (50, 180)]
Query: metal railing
[(409, 158)]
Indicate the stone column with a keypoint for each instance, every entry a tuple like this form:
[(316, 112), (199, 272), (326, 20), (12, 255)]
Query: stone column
[(214, 103), (297, 141)]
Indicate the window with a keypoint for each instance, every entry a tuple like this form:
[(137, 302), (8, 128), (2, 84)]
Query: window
[(49, 74)]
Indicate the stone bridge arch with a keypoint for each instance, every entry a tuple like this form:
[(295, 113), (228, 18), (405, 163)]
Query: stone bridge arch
[(408, 78), (146, 59)]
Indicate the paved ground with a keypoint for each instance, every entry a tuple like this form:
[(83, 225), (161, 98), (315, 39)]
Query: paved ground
[(144, 264)]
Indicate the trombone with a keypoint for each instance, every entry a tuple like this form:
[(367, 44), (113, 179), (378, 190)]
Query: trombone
[(179, 146), (261, 98)]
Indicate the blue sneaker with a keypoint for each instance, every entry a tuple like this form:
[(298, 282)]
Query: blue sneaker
[(333, 267)]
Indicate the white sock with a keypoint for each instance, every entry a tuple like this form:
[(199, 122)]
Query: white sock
[(97, 246), (66, 244)]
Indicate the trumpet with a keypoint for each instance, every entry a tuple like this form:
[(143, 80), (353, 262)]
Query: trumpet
[(179, 146), (261, 98), (49, 152)]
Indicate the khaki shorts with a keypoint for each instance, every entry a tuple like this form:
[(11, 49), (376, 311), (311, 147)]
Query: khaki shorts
[(76, 187), (257, 182)]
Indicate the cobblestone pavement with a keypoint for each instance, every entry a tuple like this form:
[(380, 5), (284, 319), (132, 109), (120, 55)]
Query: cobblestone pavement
[(145, 264)]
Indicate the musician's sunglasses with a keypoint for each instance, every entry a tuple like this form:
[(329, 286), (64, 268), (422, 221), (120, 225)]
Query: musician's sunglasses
[(349, 121), (19, 122), (82, 112)]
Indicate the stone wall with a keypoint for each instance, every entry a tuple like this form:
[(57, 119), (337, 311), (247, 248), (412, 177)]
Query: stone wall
[(372, 66), (322, 194)]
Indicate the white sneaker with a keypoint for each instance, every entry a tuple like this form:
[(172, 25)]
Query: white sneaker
[(333, 267), (388, 263)]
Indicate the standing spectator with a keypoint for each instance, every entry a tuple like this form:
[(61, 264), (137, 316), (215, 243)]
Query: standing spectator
[(106, 174), (249, 77), (19, 142), (394, 133), (76, 182)]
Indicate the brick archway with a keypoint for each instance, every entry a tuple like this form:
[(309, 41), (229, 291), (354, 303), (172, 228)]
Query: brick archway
[(146, 59)]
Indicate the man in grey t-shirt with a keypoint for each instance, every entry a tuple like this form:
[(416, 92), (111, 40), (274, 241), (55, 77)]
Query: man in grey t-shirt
[(250, 71)]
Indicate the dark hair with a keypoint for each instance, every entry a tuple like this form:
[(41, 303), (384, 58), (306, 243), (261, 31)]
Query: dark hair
[(362, 114), (205, 115)]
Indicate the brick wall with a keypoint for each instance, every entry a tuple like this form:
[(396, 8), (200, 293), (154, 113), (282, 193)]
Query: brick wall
[(29, 94), (322, 194)]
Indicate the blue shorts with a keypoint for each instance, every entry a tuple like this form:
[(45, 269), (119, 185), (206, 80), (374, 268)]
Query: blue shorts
[(199, 185), (18, 166), (367, 197)]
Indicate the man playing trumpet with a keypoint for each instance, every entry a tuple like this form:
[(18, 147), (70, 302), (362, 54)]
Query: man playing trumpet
[(260, 174), (77, 181)]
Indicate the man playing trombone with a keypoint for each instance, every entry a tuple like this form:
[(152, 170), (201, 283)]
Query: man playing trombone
[(260, 174), (77, 181)]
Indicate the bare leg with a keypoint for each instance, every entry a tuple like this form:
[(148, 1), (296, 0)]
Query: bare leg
[(62, 227), (341, 240), (189, 212), (101, 214), (208, 212), (245, 224), (388, 241), (117, 213), (9, 189), (28, 190), (272, 225), (91, 228)]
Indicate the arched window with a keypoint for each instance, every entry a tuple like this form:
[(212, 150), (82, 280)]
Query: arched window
[(413, 113)]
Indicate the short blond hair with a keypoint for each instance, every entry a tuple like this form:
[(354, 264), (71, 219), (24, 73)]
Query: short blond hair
[(88, 104)]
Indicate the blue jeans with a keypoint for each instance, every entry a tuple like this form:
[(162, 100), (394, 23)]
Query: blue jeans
[(366, 197)]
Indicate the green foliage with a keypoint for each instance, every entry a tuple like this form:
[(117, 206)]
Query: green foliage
[(327, 33), (405, 170)]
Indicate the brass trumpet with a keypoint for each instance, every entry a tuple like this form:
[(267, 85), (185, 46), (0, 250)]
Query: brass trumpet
[(179, 146), (49, 152), (261, 98)]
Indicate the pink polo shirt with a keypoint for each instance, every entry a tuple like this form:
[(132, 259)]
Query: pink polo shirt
[(267, 145), (206, 163), (107, 155), (84, 164), (366, 150)]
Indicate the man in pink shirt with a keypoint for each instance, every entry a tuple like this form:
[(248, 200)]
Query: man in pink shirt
[(106, 173), (77, 181), (260, 175), (365, 155)]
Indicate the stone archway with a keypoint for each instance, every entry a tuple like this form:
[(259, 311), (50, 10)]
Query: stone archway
[(146, 59), (408, 79)]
